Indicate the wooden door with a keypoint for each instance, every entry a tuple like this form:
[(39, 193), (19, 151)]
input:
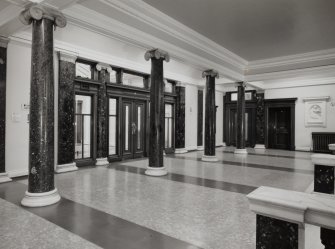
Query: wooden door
[(280, 128)]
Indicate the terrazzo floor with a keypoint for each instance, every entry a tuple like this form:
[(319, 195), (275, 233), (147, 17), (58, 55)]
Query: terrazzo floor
[(198, 205)]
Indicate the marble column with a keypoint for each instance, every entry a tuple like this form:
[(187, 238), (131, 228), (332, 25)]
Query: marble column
[(260, 122), (102, 112), (210, 116), (3, 67), (41, 187), (157, 109), (324, 180), (273, 233), (240, 123), (66, 113), (180, 119), (200, 117)]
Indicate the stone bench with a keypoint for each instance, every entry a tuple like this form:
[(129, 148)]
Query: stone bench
[(282, 215)]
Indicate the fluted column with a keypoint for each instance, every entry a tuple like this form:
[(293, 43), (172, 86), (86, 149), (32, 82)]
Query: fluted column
[(102, 138), (180, 119), (240, 123), (156, 145), (3, 67), (41, 187), (210, 116), (66, 113)]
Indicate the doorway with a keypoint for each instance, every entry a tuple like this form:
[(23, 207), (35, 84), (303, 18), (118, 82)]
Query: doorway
[(133, 128), (280, 128), (280, 123)]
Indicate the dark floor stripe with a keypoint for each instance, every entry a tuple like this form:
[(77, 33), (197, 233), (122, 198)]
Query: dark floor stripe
[(251, 165), (270, 155), (100, 228), (232, 187)]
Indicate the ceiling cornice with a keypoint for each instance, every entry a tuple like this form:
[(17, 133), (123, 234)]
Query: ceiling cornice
[(83, 17), (297, 61), (159, 20)]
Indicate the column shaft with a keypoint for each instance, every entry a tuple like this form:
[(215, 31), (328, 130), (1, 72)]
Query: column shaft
[(200, 118), (210, 116), (3, 68), (156, 114), (102, 146), (41, 132), (240, 124), (180, 118), (66, 112)]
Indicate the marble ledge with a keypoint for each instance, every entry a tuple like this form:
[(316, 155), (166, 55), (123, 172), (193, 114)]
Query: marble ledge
[(4, 178), (292, 206), (323, 159), (102, 161), (62, 168)]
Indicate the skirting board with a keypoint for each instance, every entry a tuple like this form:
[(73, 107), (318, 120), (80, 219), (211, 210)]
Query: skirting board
[(17, 173), (303, 148)]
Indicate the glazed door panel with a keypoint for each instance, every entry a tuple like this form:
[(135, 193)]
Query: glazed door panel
[(133, 128)]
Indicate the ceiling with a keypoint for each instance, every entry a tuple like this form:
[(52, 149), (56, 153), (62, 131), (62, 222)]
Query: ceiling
[(258, 29)]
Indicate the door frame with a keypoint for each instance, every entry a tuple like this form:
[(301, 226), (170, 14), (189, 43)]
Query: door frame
[(277, 103)]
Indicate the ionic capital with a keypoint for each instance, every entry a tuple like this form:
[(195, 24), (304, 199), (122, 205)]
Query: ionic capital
[(211, 73), (3, 42), (158, 54), (38, 12), (241, 83), (68, 57), (101, 66)]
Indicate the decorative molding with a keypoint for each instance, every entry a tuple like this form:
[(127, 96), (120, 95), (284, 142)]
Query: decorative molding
[(290, 60), (4, 42), (210, 73), (86, 18), (157, 54), (149, 15), (181, 84), (37, 12), (17, 173), (68, 57), (324, 98)]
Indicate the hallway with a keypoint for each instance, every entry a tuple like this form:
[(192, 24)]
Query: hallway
[(197, 205)]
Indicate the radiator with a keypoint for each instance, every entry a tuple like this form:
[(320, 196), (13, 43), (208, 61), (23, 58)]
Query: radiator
[(321, 141)]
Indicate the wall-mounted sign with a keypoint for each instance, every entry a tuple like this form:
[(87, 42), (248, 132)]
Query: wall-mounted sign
[(316, 111)]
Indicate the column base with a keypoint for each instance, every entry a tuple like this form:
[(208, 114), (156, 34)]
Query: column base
[(164, 154), (40, 199), (180, 151), (241, 151), (66, 167), (4, 178), (102, 161), (209, 158), (156, 171), (200, 148), (224, 144), (260, 146)]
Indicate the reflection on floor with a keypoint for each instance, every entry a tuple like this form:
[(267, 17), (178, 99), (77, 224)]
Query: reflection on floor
[(198, 205)]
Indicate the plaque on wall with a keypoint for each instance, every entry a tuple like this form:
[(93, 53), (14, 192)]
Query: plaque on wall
[(316, 111)]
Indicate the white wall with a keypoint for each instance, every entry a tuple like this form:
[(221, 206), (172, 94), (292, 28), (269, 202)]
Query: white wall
[(191, 117), (303, 137), (17, 94), (219, 117)]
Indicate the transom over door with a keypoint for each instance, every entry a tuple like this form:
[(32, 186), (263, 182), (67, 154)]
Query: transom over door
[(133, 128)]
